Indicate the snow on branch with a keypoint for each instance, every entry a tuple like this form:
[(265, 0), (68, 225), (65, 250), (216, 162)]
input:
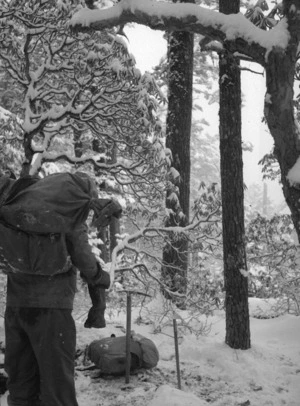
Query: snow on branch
[(80, 88), (157, 15)]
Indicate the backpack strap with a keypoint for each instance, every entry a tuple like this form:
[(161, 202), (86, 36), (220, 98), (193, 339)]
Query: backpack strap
[(8, 225)]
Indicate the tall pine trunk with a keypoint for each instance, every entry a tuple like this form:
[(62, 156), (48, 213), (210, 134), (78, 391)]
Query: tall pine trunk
[(235, 281), (279, 108), (179, 118), (102, 232)]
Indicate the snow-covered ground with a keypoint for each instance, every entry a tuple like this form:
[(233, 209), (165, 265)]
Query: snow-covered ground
[(211, 372)]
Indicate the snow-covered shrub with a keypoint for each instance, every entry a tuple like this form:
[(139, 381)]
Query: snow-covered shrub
[(10, 141), (274, 259), (140, 261), (265, 308)]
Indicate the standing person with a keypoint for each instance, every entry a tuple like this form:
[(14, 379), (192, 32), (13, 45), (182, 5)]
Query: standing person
[(40, 332)]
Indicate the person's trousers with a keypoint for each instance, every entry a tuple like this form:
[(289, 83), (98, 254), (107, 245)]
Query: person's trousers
[(39, 356)]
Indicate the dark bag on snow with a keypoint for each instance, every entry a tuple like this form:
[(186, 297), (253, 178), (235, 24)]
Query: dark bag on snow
[(38, 254), (55, 204), (109, 354)]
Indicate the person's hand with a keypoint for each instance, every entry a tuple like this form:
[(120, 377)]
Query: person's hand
[(103, 214), (102, 279)]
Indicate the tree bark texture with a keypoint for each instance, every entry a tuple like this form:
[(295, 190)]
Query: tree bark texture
[(102, 232), (236, 285), (179, 120), (279, 108), (232, 188), (114, 227)]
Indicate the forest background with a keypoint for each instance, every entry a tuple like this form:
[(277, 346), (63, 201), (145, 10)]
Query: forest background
[(255, 131), (75, 100)]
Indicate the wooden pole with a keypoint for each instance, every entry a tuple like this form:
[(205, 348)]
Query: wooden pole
[(177, 353), (128, 337), (128, 330)]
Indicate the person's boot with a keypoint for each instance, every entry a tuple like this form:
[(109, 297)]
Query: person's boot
[(95, 318)]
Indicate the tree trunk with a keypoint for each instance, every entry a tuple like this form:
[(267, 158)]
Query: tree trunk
[(102, 234), (279, 109), (179, 117), (236, 284), (77, 136), (114, 227)]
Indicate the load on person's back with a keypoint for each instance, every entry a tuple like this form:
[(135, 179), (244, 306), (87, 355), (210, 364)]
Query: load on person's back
[(35, 215)]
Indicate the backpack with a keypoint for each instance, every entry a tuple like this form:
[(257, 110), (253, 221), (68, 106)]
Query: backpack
[(109, 354), (35, 215), (57, 203)]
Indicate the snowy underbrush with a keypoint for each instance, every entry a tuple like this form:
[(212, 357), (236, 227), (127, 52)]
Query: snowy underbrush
[(273, 256), (210, 371), (280, 287), (270, 308)]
